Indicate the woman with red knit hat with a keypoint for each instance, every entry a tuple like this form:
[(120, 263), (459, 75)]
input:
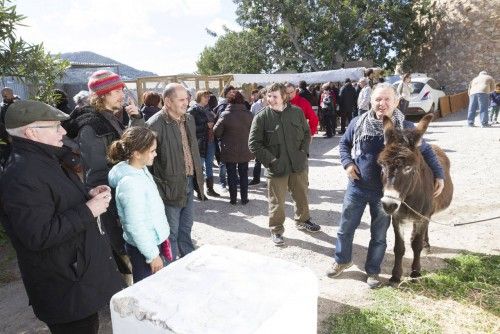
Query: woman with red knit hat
[(94, 131)]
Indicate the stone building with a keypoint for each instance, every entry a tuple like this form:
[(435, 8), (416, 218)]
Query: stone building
[(465, 41)]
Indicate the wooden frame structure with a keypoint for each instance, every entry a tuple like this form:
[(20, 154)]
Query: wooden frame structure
[(196, 82)]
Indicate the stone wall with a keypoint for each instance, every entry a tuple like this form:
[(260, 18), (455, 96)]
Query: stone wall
[(465, 41)]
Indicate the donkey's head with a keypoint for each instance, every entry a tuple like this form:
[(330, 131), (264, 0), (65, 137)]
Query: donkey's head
[(400, 161)]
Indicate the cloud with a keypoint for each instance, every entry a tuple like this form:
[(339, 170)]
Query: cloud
[(163, 36), (200, 7), (181, 63)]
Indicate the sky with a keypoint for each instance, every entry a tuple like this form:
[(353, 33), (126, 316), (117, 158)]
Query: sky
[(161, 36)]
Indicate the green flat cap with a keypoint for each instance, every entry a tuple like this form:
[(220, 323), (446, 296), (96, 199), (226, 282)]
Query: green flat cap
[(25, 112)]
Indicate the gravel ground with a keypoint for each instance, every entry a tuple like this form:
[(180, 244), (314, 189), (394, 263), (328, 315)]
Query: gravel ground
[(471, 223)]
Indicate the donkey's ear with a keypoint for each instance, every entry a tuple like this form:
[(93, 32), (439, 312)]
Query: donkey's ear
[(389, 132), (387, 122), (389, 136), (424, 123), (421, 128)]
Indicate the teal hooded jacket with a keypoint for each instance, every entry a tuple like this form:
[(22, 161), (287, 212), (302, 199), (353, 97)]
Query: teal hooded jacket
[(140, 207)]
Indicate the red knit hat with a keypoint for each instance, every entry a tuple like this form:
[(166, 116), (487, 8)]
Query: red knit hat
[(103, 82)]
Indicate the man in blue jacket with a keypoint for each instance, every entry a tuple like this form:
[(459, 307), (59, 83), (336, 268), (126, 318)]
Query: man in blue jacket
[(359, 149)]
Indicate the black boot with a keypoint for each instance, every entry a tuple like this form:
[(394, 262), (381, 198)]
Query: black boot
[(210, 187)]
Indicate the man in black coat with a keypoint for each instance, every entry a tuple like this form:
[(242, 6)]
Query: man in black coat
[(204, 120), (229, 90), (304, 92), (94, 129), (64, 258), (347, 103)]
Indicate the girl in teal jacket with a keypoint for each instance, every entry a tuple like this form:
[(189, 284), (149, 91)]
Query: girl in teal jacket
[(140, 207)]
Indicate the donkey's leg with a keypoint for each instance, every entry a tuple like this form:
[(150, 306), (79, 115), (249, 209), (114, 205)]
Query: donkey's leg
[(426, 245), (417, 243), (399, 251)]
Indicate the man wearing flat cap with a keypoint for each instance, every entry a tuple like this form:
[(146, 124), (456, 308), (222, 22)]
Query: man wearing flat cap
[(50, 218)]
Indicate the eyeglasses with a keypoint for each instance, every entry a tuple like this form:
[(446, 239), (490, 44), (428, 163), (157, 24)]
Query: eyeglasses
[(55, 126)]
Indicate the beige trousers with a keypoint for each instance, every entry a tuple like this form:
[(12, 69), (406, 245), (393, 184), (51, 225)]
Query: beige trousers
[(297, 184)]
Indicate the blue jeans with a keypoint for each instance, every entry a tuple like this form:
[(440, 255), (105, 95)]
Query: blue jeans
[(355, 201), (140, 268), (208, 160), (180, 220), (481, 101)]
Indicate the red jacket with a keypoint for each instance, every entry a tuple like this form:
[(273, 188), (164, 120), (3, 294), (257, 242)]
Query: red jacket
[(311, 117)]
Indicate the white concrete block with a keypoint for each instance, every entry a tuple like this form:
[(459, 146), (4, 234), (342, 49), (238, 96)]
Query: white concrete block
[(222, 290)]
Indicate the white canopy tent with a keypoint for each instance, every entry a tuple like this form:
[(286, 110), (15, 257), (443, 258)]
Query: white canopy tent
[(312, 77)]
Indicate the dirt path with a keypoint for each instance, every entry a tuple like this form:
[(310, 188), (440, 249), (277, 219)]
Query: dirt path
[(475, 158)]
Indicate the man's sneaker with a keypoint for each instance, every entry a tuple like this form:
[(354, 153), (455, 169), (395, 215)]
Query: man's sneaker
[(373, 281), (253, 182), (308, 226), (338, 268), (277, 239)]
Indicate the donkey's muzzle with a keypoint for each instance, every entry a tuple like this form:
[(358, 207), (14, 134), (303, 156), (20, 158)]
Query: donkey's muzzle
[(390, 201), (389, 207)]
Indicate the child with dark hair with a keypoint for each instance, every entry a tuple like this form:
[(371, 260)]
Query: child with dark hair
[(140, 207), (495, 104)]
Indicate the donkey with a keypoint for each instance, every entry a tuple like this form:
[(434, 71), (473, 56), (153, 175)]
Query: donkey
[(408, 189)]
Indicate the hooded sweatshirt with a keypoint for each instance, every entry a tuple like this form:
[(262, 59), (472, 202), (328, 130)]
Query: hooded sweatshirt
[(140, 207)]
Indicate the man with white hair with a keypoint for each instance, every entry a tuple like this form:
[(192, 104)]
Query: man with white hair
[(51, 219), (81, 99), (359, 149), (479, 91)]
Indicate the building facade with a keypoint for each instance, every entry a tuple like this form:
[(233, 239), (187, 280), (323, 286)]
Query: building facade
[(465, 41)]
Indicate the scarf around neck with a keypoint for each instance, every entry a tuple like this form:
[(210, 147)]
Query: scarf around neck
[(369, 126)]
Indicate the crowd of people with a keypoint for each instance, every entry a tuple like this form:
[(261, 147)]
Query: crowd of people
[(111, 185)]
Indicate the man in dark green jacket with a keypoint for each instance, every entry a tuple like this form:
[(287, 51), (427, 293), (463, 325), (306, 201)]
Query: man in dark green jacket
[(280, 139), (177, 163)]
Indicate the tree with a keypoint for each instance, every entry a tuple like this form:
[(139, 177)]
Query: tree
[(322, 34), (24, 61), (234, 52)]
